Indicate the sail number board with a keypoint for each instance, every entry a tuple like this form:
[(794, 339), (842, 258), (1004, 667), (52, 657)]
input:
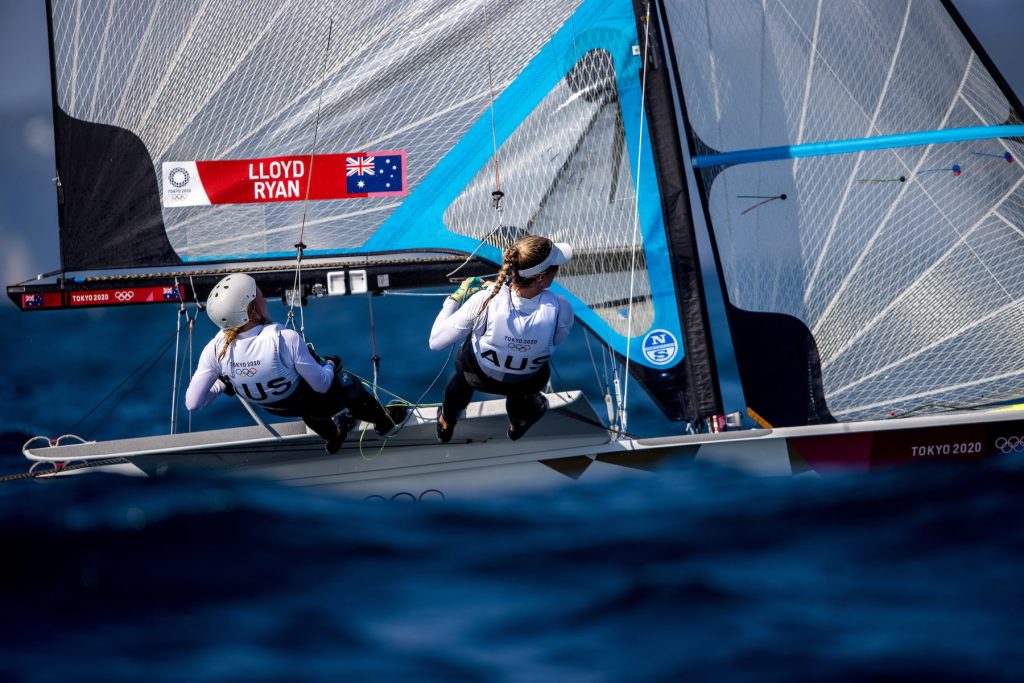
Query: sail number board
[(350, 175)]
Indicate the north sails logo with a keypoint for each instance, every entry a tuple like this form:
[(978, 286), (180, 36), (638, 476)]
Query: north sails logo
[(178, 177), (660, 347)]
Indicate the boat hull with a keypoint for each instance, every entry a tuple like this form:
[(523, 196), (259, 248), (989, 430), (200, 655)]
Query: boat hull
[(567, 445)]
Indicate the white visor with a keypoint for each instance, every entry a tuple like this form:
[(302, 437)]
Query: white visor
[(560, 253)]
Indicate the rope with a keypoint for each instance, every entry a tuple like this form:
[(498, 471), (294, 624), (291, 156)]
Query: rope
[(388, 292), (490, 82), (412, 405), (35, 474)]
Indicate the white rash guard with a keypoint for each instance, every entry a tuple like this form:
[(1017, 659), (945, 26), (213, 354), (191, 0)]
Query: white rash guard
[(264, 364), (514, 336)]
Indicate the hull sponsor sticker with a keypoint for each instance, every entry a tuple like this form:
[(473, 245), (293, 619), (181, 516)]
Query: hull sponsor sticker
[(660, 347), (350, 175), (125, 295)]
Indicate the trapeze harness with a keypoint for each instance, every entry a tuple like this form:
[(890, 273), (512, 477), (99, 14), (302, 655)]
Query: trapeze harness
[(516, 341), (261, 377)]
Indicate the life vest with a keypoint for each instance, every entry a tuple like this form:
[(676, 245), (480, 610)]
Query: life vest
[(518, 338), (253, 366)]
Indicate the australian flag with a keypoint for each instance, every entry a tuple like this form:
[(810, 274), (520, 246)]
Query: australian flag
[(374, 174), (31, 300)]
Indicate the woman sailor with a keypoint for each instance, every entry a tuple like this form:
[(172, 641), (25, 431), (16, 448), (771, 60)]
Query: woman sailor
[(270, 365), (513, 328)]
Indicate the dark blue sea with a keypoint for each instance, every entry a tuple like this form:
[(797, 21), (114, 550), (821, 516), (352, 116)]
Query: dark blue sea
[(696, 574)]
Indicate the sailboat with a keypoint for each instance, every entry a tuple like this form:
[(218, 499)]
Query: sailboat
[(856, 170)]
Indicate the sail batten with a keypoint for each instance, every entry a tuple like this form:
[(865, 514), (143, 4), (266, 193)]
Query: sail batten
[(851, 146)]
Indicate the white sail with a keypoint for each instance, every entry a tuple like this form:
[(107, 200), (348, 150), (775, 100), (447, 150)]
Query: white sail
[(903, 261)]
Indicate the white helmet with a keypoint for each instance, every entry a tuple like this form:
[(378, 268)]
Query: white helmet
[(228, 303)]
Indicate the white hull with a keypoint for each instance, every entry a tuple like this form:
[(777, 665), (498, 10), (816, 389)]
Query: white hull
[(559, 449)]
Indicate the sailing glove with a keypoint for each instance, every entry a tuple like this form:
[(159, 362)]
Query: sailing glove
[(229, 390), (469, 287), (336, 360)]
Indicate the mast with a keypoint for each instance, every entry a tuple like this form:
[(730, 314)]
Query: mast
[(698, 369), (55, 111)]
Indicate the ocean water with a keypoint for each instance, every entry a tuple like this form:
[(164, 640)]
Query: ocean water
[(696, 573)]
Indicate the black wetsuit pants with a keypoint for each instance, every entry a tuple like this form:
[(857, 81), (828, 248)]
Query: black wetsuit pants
[(317, 409), (523, 399)]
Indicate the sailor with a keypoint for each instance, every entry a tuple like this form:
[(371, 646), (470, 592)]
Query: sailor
[(513, 326), (269, 365)]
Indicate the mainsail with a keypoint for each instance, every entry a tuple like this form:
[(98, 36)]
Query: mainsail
[(198, 136), (861, 167)]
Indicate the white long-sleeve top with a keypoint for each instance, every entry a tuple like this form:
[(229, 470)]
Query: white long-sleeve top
[(265, 348), (513, 335)]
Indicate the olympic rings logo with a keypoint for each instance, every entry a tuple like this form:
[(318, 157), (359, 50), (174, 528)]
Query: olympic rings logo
[(519, 347), (248, 372), (178, 177), (124, 296), (1013, 444), (406, 497)]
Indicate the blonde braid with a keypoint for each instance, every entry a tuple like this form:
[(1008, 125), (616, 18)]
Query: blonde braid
[(510, 260), (231, 334), (229, 339)]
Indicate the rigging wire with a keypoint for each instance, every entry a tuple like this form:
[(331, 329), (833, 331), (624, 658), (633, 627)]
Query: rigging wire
[(606, 389), (473, 253), (177, 343), (497, 195), (580, 417), (141, 370), (180, 377), (375, 359), (593, 361), (300, 246), (636, 215), (191, 334)]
